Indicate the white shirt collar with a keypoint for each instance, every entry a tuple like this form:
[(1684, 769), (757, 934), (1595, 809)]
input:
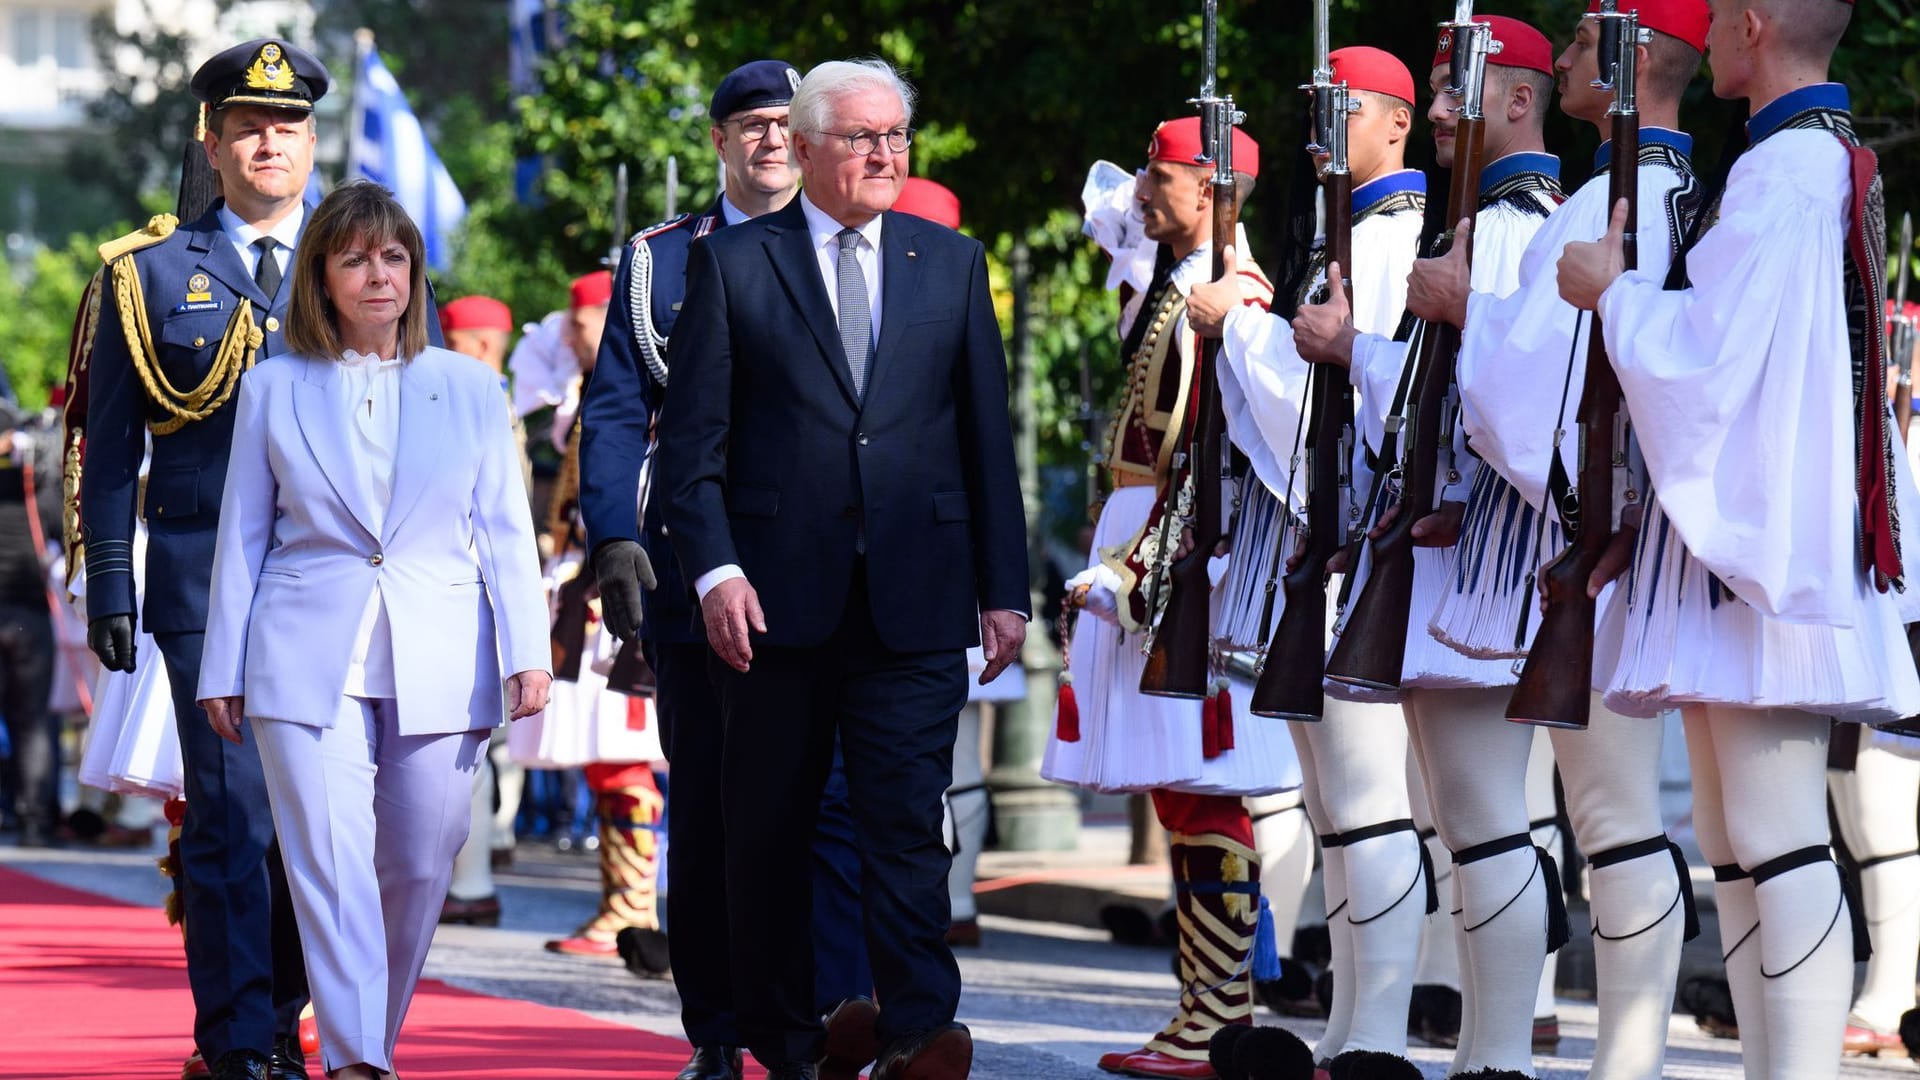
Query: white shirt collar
[(731, 214), (287, 232), (825, 230)]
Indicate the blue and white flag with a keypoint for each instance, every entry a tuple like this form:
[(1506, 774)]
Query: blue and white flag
[(389, 147)]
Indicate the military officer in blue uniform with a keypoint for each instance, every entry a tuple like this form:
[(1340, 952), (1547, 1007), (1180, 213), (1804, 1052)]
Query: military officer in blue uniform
[(749, 132), (185, 310)]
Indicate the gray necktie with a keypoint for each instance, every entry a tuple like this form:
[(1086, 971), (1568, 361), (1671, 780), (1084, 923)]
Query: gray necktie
[(266, 272), (856, 320)]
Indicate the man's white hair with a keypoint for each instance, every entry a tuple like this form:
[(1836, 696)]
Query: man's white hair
[(811, 112)]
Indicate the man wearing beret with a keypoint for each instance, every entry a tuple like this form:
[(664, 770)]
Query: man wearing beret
[(1160, 236), (1473, 760), (1519, 353), (750, 134), (191, 309)]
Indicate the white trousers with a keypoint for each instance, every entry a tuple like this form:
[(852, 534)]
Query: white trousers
[(1759, 792), (368, 821), (1875, 805)]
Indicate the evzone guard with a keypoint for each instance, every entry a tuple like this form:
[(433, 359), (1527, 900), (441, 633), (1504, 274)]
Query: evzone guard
[(1758, 598), (1110, 736), (1521, 370)]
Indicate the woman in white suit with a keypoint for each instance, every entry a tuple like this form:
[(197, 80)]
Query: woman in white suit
[(375, 577)]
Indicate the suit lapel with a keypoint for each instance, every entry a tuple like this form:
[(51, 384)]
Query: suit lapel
[(790, 247), (219, 259), (899, 284), (424, 402), (323, 415)]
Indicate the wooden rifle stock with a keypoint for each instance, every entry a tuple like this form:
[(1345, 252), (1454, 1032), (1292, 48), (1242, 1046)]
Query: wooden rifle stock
[(1372, 649), (1289, 686), (1556, 682), (1178, 662)]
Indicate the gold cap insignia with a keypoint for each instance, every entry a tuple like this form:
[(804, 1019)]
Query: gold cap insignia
[(198, 283), (270, 71)]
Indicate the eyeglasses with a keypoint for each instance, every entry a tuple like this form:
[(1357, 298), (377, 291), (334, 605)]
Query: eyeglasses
[(754, 128), (863, 143)]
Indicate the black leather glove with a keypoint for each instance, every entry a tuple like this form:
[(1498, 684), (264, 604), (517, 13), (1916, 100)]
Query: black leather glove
[(111, 639), (623, 569)]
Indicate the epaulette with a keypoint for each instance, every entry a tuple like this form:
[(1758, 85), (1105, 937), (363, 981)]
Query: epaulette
[(655, 230), (158, 228)]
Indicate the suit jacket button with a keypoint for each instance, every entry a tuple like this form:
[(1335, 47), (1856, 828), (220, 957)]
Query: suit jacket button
[(272, 324), (376, 559), (861, 439)]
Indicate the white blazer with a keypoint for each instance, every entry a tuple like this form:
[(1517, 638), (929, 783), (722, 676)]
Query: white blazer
[(296, 563)]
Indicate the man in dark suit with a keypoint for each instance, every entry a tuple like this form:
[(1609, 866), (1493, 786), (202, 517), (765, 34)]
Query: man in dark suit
[(629, 383), (185, 311), (845, 500)]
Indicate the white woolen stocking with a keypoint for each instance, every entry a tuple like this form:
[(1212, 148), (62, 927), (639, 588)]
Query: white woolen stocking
[(1543, 816), (1735, 907), (967, 812), (1386, 938), (1772, 767), (1284, 838), (1340, 942), (473, 866), (1875, 805), (1611, 775), (1439, 961), (1475, 761)]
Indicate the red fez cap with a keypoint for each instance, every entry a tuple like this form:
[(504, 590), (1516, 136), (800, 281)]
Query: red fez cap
[(1683, 19), (1516, 45), (592, 290), (476, 313), (1363, 67), (924, 198), (1179, 140)]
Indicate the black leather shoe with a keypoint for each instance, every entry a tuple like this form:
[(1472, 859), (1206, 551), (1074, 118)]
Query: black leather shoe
[(944, 1053), (289, 1061), (794, 1070), (713, 1063), (852, 1042), (243, 1065)]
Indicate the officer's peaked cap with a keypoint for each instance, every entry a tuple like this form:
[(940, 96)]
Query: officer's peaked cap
[(754, 85), (265, 71)]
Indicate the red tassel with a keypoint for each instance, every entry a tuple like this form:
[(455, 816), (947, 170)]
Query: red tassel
[(1226, 717), (1210, 726), (1066, 712)]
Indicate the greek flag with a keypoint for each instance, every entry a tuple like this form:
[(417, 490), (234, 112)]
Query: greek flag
[(388, 146)]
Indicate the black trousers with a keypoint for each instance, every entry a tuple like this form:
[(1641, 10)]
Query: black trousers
[(896, 716), (244, 964), (692, 735), (26, 682)]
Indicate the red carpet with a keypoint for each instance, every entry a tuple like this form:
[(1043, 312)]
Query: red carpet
[(94, 989)]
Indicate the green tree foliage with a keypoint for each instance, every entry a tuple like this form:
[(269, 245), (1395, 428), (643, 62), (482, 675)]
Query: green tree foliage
[(36, 321)]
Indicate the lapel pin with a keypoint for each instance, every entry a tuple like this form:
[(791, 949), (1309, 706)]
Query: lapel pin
[(911, 253)]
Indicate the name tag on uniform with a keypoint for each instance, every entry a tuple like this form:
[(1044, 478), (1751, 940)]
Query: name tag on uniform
[(193, 304)]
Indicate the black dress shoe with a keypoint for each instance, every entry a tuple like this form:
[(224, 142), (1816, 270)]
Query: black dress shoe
[(713, 1063), (944, 1053), (289, 1062), (852, 1041), (794, 1070), (243, 1065)]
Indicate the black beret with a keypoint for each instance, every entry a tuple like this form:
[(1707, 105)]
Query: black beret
[(754, 85), (264, 71)]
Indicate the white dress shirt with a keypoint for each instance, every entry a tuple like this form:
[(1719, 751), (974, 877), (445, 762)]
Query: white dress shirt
[(825, 233), (372, 391), (242, 236)]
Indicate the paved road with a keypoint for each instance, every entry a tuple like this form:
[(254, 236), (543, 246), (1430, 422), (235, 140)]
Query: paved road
[(1044, 999)]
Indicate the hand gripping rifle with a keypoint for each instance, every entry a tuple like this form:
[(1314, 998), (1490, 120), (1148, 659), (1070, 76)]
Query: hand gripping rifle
[(1291, 674), (1178, 660), (1556, 682), (1371, 651), (1900, 333)]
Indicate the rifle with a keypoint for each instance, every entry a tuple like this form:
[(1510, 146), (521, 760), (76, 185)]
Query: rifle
[(1178, 659), (1289, 686), (1556, 681), (620, 231), (1901, 333), (1371, 651)]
